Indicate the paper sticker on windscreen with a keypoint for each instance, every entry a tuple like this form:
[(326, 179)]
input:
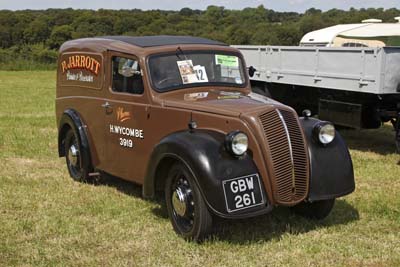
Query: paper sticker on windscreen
[(228, 61), (187, 71)]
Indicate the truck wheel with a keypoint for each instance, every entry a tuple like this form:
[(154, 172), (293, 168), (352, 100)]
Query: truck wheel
[(75, 162), (315, 210), (187, 210)]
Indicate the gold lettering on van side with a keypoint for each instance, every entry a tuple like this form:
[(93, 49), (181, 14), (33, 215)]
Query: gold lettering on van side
[(81, 62)]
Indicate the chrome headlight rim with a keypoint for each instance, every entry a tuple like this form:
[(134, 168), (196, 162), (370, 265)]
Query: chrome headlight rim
[(324, 132), (237, 143)]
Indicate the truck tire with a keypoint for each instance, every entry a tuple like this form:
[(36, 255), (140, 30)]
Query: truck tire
[(317, 210), (74, 159), (187, 210)]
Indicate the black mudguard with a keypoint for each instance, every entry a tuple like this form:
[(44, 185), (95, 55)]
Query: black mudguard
[(71, 120), (204, 154), (331, 167)]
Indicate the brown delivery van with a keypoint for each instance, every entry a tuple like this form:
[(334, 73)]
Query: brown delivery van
[(177, 114)]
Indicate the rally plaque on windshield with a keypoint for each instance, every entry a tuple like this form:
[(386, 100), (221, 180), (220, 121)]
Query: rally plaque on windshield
[(190, 73)]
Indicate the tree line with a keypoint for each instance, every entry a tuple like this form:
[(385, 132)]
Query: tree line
[(29, 39)]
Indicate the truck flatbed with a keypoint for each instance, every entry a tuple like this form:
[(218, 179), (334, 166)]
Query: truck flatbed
[(366, 70), (356, 87)]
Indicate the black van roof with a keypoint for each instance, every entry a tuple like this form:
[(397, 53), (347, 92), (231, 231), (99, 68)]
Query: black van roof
[(161, 40)]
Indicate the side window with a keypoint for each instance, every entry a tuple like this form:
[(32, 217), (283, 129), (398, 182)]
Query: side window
[(126, 76), (354, 45)]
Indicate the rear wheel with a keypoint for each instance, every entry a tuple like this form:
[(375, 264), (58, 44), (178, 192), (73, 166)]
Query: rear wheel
[(315, 210), (187, 210), (75, 161)]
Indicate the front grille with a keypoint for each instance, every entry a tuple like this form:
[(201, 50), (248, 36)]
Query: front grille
[(288, 156)]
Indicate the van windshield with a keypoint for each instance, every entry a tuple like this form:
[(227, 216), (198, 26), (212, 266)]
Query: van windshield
[(195, 68)]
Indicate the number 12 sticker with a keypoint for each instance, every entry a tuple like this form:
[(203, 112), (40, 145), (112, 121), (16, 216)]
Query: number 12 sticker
[(201, 73)]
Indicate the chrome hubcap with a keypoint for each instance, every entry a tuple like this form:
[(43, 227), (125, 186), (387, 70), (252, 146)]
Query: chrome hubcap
[(179, 200), (182, 203), (73, 155)]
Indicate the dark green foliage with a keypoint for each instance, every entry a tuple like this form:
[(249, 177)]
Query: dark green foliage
[(59, 35), (28, 57), (30, 38)]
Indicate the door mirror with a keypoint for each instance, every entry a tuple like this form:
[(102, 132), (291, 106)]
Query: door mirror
[(252, 70)]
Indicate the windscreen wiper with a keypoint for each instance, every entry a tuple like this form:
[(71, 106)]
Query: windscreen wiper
[(180, 51)]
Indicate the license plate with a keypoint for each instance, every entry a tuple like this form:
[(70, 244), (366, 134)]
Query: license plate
[(242, 192)]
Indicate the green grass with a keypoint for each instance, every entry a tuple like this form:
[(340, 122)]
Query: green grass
[(46, 219), (25, 65)]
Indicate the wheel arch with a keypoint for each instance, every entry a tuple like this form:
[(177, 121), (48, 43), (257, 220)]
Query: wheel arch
[(71, 120), (167, 152), (202, 151), (62, 133), (162, 169)]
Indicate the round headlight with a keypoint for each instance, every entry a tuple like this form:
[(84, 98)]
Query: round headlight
[(324, 132), (237, 143)]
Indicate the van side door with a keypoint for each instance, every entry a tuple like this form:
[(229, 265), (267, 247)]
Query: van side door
[(125, 113)]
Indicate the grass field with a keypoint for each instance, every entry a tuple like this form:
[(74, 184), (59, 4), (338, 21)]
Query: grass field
[(46, 219)]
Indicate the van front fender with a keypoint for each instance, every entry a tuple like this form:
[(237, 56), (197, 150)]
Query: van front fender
[(331, 174), (204, 154)]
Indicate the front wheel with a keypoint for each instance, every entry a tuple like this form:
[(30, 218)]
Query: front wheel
[(315, 210), (187, 210)]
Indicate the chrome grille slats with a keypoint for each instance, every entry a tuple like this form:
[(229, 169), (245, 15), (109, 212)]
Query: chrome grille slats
[(288, 155)]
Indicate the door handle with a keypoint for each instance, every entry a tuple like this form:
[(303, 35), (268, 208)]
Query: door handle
[(106, 105)]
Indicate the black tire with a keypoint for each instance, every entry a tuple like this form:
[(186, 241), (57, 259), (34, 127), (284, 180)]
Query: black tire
[(73, 155), (186, 208), (317, 210)]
